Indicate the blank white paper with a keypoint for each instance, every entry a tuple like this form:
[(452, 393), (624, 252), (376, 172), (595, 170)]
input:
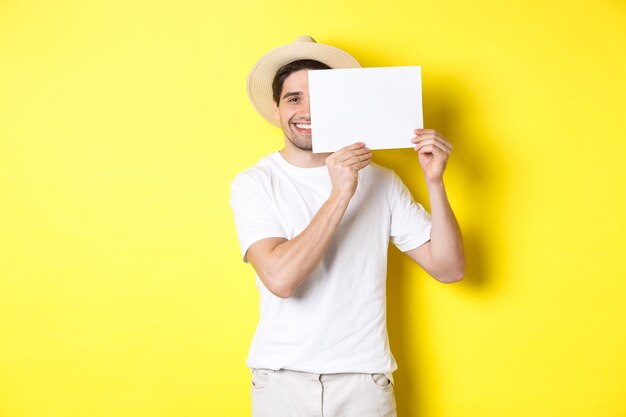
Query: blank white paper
[(378, 106)]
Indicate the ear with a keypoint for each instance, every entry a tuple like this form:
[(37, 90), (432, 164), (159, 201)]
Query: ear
[(276, 114)]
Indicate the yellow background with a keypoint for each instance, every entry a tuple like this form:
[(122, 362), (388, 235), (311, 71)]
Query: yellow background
[(122, 124)]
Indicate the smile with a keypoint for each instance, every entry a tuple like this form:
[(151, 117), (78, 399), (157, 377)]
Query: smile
[(303, 127)]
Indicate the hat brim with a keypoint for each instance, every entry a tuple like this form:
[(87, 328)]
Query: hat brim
[(262, 74)]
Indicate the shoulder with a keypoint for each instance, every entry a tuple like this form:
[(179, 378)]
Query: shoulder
[(380, 170), (255, 176), (253, 185), (380, 174), (387, 182)]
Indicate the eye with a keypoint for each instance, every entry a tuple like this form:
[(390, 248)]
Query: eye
[(294, 99)]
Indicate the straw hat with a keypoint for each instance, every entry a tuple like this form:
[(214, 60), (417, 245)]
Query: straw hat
[(305, 47)]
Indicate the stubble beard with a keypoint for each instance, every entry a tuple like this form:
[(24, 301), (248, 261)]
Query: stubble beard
[(300, 141)]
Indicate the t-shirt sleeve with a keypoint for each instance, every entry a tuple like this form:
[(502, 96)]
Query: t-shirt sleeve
[(255, 214), (410, 222)]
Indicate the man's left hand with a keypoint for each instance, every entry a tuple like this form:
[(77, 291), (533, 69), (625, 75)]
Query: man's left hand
[(433, 151)]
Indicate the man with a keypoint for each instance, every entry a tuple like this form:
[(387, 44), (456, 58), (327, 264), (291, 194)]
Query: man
[(316, 229)]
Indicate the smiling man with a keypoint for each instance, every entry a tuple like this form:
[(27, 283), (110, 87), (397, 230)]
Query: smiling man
[(316, 229), (290, 92)]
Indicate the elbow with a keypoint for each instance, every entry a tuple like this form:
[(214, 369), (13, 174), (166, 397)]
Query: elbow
[(277, 286), (281, 292), (451, 278), (452, 275)]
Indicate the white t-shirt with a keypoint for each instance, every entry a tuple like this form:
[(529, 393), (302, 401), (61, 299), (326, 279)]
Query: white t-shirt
[(336, 320)]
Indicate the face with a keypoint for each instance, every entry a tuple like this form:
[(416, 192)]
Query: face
[(293, 111)]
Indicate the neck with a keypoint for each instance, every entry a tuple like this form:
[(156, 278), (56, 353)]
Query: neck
[(302, 158)]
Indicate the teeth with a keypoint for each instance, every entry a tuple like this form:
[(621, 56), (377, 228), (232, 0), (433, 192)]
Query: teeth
[(303, 126)]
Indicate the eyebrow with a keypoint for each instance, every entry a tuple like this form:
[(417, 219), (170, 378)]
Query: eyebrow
[(295, 93)]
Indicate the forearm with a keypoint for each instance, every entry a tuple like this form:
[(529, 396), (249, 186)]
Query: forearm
[(446, 242), (293, 261)]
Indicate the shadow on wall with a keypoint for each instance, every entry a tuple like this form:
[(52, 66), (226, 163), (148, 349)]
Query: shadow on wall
[(480, 180)]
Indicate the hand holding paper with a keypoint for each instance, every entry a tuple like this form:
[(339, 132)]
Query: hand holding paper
[(433, 151), (344, 165), (378, 106)]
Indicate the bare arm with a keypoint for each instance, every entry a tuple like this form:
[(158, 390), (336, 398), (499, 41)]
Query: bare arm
[(283, 264), (443, 256)]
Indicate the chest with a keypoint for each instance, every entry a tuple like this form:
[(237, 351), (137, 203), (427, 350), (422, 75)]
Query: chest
[(297, 201)]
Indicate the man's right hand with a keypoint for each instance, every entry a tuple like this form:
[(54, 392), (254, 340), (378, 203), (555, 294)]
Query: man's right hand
[(344, 166)]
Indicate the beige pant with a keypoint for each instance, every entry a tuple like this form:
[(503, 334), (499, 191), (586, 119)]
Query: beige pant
[(286, 393)]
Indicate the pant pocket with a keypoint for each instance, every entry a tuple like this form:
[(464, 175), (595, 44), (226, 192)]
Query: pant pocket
[(381, 380), (261, 377)]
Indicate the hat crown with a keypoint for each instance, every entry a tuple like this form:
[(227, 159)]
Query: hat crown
[(305, 38), (261, 76)]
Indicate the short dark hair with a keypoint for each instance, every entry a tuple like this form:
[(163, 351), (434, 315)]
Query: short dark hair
[(286, 70)]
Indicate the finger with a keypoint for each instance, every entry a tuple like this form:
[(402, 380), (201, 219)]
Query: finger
[(425, 150), (352, 147), (432, 139), (443, 140), (434, 155), (343, 159), (424, 131), (338, 155), (430, 135), (436, 144), (345, 153), (340, 158), (360, 165), (433, 148), (357, 159), (348, 155)]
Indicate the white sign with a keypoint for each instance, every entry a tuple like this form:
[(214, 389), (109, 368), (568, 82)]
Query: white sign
[(380, 107)]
